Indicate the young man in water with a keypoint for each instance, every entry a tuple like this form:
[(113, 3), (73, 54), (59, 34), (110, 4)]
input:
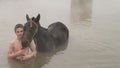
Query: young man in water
[(15, 48)]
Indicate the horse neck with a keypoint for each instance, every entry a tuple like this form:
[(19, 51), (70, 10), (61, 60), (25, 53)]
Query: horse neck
[(40, 33), (40, 38)]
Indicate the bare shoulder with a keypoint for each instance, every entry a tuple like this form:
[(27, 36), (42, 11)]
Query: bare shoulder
[(12, 42)]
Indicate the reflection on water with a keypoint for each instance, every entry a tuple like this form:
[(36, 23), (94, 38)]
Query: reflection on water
[(81, 9), (81, 12)]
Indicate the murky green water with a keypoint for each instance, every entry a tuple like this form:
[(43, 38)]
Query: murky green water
[(94, 32)]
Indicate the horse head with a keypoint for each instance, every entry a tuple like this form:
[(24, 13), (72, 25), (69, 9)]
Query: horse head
[(30, 30)]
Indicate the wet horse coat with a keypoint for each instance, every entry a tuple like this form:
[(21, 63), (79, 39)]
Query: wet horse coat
[(46, 39)]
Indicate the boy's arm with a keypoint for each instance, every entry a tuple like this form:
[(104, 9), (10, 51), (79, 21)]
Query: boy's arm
[(11, 53), (33, 49), (33, 54)]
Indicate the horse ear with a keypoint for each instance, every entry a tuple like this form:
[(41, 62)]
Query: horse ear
[(27, 17), (38, 18)]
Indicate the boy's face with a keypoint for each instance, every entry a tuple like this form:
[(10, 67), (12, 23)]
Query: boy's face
[(19, 32)]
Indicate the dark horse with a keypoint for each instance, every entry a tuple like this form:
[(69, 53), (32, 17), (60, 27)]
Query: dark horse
[(46, 39)]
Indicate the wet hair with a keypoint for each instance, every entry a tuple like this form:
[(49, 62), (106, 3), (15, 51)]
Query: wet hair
[(18, 26)]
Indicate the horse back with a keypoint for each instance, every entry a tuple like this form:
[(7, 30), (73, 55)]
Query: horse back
[(59, 31)]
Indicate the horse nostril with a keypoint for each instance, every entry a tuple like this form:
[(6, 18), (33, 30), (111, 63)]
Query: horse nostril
[(25, 44)]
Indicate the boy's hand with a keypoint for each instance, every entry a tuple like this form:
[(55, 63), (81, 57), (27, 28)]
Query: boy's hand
[(26, 57), (20, 52)]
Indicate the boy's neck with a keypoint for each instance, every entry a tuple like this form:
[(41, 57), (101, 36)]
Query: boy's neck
[(19, 39)]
